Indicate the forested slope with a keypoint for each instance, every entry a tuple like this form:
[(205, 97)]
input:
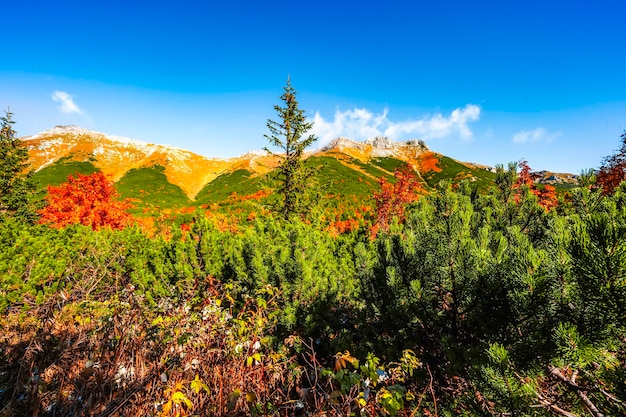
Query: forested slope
[(481, 302)]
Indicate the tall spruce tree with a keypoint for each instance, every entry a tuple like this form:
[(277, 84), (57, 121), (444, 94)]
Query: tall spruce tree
[(16, 185), (290, 135)]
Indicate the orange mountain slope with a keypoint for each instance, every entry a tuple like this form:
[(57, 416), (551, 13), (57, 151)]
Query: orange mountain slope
[(115, 156)]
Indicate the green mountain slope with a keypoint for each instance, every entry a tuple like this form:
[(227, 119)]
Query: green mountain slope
[(454, 171), (58, 172), (347, 172), (339, 176), (344, 179), (149, 190), (239, 183)]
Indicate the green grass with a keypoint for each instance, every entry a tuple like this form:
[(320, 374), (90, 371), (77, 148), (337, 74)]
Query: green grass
[(335, 178), (454, 171), (565, 187), (388, 164), (58, 172), (150, 189), (332, 178), (240, 182), (373, 170)]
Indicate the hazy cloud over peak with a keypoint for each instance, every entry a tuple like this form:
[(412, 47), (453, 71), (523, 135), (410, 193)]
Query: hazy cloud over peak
[(539, 134), (360, 124), (67, 102)]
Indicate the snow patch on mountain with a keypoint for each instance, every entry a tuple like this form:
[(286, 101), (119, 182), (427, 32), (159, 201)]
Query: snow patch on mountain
[(50, 144), (76, 131), (253, 153), (61, 131)]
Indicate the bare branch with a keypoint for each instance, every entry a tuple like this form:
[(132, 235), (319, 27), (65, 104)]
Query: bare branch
[(577, 389)]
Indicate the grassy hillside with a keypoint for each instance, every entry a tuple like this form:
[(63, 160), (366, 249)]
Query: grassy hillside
[(58, 172), (348, 177), (339, 176), (240, 183), (149, 189), (345, 182), (339, 179), (454, 171), (388, 164)]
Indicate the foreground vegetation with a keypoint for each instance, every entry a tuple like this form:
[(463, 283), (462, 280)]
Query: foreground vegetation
[(479, 303), (494, 297)]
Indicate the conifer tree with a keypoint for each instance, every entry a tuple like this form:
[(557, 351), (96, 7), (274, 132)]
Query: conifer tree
[(290, 135), (16, 184)]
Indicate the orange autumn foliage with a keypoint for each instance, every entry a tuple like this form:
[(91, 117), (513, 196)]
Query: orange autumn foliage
[(89, 200), (146, 224), (187, 210), (223, 222), (235, 198), (392, 199), (609, 178), (256, 196), (429, 162), (546, 196), (342, 226), (613, 169)]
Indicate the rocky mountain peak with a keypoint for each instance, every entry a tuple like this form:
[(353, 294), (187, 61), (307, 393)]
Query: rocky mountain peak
[(342, 142), (60, 130), (380, 142)]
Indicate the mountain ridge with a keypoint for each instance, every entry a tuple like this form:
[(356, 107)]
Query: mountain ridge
[(71, 149), (116, 155)]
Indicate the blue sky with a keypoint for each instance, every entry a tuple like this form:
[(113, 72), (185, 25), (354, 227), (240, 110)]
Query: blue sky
[(481, 81)]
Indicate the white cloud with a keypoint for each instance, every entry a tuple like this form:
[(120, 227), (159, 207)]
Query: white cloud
[(539, 134), (361, 124), (66, 101)]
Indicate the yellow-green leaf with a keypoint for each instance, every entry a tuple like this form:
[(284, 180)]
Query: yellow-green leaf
[(197, 385), (180, 397)]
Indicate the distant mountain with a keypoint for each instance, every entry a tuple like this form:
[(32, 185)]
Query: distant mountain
[(116, 156), (165, 176)]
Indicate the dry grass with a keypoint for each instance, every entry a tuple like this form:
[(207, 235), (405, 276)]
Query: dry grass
[(111, 356)]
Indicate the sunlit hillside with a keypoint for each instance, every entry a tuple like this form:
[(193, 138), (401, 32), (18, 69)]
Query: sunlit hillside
[(162, 177)]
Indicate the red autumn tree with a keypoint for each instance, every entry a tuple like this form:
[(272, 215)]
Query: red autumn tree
[(392, 199), (524, 176), (90, 200), (546, 196), (613, 169)]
